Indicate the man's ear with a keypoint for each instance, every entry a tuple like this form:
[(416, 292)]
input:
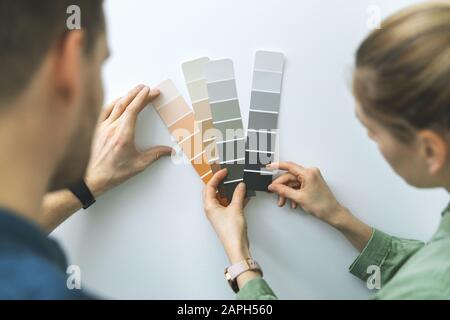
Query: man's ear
[(434, 148), (68, 66)]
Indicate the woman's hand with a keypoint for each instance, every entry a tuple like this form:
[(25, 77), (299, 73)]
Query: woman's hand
[(306, 187), (228, 222), (114, 156)]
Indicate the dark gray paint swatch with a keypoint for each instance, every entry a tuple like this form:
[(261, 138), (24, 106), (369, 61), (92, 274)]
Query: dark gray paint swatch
[(234, 170), (256, 181), (228, 189)]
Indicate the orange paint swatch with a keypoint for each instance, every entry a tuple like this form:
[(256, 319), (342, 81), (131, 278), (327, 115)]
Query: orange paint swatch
[(180, 120)]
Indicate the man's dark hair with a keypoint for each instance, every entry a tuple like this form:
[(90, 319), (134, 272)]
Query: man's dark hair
[(29, 28)]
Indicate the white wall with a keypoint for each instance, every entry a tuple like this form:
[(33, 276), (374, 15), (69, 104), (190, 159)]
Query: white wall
[(149, 238)]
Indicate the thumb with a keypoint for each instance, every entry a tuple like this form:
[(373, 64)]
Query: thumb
[(155, 153), (239, 196)]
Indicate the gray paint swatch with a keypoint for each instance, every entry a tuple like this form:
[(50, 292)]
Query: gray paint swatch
[(227, 130), (265, 101), (262, 121), (221, 84), (263, 116), (226, 110)]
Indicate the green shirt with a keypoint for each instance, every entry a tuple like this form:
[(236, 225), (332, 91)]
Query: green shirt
[(407, 269)]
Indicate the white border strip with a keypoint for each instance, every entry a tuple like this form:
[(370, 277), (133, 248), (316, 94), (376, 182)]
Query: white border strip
[(233, 181), (263, 111), (227, 120)]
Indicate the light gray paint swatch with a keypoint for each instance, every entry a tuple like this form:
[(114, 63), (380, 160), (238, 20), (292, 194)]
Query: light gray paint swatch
[(222, 90)]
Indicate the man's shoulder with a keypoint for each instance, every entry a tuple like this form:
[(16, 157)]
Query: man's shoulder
[(25, 275)]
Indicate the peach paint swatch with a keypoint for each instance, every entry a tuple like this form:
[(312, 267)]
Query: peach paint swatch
[(180, 120), (195, 81)]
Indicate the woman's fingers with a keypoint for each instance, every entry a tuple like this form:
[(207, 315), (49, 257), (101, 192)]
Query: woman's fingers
[(291, 167), (239, 196), (281, 201), (123, 103), (283, 190), (286, 178), (211, 187)]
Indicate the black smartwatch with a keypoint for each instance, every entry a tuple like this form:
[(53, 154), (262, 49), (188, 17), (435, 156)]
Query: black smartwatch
[(82, 192)]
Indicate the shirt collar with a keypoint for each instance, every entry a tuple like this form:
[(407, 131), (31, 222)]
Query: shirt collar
[(22, 232)]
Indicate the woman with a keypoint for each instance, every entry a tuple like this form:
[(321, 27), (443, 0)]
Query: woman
[(402, 89)]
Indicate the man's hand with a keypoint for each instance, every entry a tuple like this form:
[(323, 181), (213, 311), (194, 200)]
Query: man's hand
[(114, 156)]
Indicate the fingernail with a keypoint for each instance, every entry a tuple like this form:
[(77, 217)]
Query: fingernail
[(140, 87), (270, 187)]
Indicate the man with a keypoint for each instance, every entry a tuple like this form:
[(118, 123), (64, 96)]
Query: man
[(50, 101)]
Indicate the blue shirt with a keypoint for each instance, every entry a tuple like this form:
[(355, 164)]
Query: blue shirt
[(32, 266)]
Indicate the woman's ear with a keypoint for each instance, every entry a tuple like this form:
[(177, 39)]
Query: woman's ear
[(434, 148)]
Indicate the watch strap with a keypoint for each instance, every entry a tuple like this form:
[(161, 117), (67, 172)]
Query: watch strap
[(82, 192), (235, 270)]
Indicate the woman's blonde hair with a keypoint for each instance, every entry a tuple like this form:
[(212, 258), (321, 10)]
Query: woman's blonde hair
[(402, 75)]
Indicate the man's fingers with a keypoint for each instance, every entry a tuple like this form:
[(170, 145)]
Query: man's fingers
[(106, 112), (123, 103), (154, 93), (138, 104), (239, 196), (283, 190), (291, 167), (155, 153)]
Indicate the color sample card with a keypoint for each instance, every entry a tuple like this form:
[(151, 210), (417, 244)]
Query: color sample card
[(263, 118), (180, 120), (195, 81), (226, 115)]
